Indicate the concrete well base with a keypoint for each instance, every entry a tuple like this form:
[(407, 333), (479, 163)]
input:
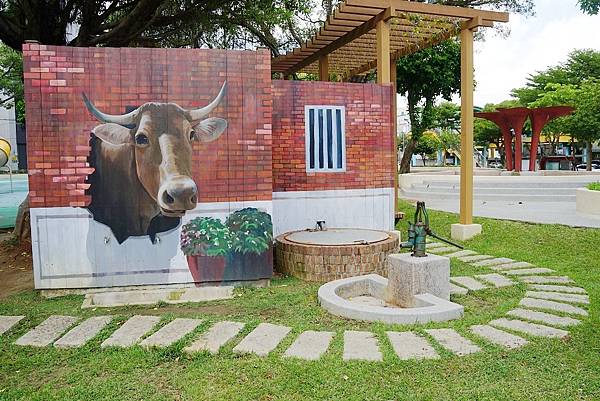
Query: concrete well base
[(464, 232), (409, 276)]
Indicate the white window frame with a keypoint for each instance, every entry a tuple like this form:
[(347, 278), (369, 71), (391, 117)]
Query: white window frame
[(334, 136)]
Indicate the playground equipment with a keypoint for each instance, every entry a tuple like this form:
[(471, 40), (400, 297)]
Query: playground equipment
[(5, 149)]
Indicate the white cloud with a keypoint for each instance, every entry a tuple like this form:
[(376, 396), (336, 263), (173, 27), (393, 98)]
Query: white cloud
[(534, 44)]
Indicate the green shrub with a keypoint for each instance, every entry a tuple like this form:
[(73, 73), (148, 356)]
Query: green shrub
[(251, 230), (205, 236), (594, 186)]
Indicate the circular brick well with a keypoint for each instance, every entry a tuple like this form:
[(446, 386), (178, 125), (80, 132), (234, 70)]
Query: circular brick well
[(313, 261)]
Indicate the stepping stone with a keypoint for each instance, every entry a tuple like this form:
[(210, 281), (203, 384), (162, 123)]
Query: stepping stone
[(492, 262), (557, 296), (131, 331), (475, 258), (310, 345), (454, 289), (499, 337), (509, 266), (460, 254), (409, 345), (7, 322), (217, 336), (558, 288), (496, 280), (47, 331), (262, 340), (533, 329), (453, 342), (551, 305), (170, 333), (444, 249), (546, 279), (431, 245), (543, 317), (524, 272), (79, 335), (362, 346), (468, 282)]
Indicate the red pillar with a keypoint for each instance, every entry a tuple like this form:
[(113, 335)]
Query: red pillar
[(507, 138), (539, 118)]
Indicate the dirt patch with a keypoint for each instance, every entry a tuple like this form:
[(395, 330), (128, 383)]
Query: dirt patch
[(16, 268)]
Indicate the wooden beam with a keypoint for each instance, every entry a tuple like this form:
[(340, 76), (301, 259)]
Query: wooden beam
[(383, 52), (324, 68), (466, 137), (394, 111)]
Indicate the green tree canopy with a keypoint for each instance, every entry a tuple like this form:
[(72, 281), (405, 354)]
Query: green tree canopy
[(11, 81), (591, 7)]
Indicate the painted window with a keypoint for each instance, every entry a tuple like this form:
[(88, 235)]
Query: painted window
[(325, 138)]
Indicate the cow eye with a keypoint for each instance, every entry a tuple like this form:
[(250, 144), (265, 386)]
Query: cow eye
[(193, 135), (141, 139)]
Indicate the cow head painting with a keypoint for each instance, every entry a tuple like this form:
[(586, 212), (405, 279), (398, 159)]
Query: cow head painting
[(142, 183)]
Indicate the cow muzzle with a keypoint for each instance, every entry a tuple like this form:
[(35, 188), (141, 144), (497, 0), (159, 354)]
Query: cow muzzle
[(176, 196)]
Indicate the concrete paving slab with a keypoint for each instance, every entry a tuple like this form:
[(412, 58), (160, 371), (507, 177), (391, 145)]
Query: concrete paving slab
[(495, 279), (475, 258), (525, 272), (171, 332), (533, 329), (217, 336), (468, 282), (441, 250), (7, 322), (551, 305), (310, 345), (510, 266), (431, 245), (455, 289), (409, 345), (362, 346), (542, 317), (558, 288), (131, 331), (46, 332), (499, 337), (460, 254), (453, 342), (84, 332), (262, 340), (546, 279), (557, 296), (492, 262)]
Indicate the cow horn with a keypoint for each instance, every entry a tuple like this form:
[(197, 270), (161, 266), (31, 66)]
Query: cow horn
[(198, 114), (123, 119)]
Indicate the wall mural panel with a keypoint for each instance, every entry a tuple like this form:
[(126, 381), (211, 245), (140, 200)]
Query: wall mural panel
[(148, 166)]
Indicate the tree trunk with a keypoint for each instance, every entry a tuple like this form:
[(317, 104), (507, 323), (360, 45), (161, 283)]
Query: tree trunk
[(22, 229), (589, 156), (409, 150)]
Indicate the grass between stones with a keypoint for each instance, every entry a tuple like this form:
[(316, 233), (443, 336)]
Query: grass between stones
[(546, 369)]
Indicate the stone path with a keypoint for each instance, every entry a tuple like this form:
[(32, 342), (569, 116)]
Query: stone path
[(48, 331), (131, 332), (217, 336), (79, 335), (262, 340), (310, 345), (171, 333), (442, 250), (535, 317), (361, 345)]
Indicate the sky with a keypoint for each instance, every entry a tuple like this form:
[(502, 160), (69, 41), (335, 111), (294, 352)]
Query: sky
[(534, 44)]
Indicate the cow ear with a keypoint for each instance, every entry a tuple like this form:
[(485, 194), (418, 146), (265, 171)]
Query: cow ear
[(210, 129), (113, 133)]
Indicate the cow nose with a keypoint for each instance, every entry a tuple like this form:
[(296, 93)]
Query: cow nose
[(179, 194)]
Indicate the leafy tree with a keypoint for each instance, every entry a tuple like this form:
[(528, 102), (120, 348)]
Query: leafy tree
[(427, 145), (11, 81), (591, 7), (423, 77), (447, 116), (448, 140)]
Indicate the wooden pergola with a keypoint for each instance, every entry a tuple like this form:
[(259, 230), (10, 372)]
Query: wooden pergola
[(365, 35)]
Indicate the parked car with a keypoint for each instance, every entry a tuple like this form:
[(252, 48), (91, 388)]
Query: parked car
[(494, 164), (583, 167)]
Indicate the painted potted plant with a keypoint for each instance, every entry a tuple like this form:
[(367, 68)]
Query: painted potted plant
[(251, 257), (206, 241)]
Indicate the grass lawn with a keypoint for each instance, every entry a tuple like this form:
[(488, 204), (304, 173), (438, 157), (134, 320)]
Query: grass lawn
[(543, 370)]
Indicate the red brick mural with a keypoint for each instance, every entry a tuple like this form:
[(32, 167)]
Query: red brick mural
[(369, 138)]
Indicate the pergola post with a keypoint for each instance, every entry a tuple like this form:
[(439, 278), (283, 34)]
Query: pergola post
[(383, 52), (466, 229), (324, 68)]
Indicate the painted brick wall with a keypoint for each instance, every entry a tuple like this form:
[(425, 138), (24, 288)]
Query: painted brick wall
[(236, 167), (369, 139)]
